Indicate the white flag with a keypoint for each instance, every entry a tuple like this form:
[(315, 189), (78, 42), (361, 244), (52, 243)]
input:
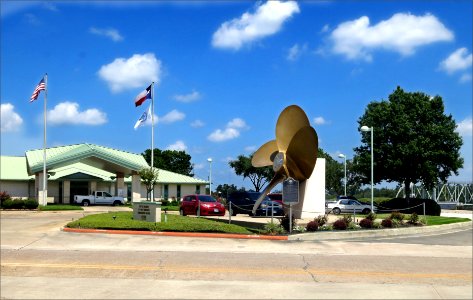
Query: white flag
[(143, 118)]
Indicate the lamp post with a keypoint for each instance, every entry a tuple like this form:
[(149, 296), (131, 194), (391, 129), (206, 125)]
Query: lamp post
[(365, 129), (345, 165), (210, 175)]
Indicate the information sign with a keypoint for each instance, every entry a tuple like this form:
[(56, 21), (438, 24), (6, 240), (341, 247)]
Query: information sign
[(290, 191)]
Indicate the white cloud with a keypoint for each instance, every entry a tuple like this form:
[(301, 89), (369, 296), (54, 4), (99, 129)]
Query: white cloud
[(223, 135), (237, 123), (267, 20), (232, 131), (401, 33), (68, 113), (465, 127), (137, 71), (199, 166), (178, 146), (171, 117), (250, 149), (326, 28), (457, 61), (10, 121), (465, 78), (111, 33), (194, 96), (197, 124), (319, 121), (295, 52)]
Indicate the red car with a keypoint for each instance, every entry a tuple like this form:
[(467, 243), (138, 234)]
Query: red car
[(276, 197), (208, 206)]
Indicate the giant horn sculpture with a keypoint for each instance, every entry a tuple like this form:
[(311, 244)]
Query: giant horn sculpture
[(292, 154)]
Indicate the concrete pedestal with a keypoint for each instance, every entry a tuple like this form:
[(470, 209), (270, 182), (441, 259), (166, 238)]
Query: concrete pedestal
[(312, 194)]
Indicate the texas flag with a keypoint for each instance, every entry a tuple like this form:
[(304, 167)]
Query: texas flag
[(143, 96)]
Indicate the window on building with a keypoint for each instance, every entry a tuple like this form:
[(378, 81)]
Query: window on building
[(166, 191), (197, 189), (178, 195)]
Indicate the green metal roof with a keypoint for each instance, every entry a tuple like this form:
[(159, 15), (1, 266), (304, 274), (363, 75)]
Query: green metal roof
[(13, 168), (171, 177), (66, 155)]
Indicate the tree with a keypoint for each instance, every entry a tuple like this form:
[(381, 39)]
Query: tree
[(149, 176), (170, 160), (334, 176), (258, 176), (414, 141), (226, 190)]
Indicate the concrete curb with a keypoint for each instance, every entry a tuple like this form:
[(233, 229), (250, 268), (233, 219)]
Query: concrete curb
[(181, 234), (376, 233)]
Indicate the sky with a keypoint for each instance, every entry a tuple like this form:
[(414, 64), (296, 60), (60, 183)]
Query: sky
[(224, 71)]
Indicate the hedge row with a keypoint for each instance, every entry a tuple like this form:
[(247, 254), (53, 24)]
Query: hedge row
[(19, 204), (412, 205)]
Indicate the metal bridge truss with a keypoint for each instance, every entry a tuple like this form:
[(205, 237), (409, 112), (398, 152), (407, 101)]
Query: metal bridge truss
[(448, 192)]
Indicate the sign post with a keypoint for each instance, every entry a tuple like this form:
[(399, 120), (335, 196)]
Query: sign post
[(290, 195)]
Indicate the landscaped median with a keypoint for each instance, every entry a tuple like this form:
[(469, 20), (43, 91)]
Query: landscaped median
[(176, 225)]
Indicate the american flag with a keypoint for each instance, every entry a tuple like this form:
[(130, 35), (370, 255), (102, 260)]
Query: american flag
[(40, 87)]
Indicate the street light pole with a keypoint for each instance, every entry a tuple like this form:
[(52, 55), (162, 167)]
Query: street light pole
[(365, 129), (210, 175), (345, 165)]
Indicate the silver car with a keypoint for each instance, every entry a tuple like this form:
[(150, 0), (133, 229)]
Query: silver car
[(348, 206)]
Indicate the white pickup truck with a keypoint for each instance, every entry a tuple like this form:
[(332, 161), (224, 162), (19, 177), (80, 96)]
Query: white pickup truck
[(99, 197)]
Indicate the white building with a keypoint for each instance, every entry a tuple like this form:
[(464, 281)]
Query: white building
[(83, 168)]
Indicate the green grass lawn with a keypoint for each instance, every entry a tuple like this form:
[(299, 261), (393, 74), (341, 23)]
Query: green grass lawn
[(51, 207), (124, 220)]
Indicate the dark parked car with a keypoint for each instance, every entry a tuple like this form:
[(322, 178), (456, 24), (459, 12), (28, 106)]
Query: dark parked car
[(243, 202), (265, 209), (208, 205), (276, 197)]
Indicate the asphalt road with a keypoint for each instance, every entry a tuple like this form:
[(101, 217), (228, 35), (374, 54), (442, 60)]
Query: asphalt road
[(40, 261)]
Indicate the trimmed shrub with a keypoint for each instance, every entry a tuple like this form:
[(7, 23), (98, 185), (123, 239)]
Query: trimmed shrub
[(7, 204), (396, 223), (321, 220), (347, 219), (395, 215), (387, 223), (312, 226), (366, 223), (432, 208), (31, 204), (340, 224), (371, 216), (273, 228), (18, 204), (3, 197), (284, 221)]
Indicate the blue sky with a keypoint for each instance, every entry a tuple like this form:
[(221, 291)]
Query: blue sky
[(224, 71)]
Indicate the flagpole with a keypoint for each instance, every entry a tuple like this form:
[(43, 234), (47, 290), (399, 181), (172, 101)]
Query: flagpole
[(45, 175), (152, 135)]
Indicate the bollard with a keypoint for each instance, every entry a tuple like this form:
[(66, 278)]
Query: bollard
[(272, 213), (423, 205), (230, 213), (165, 215)]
